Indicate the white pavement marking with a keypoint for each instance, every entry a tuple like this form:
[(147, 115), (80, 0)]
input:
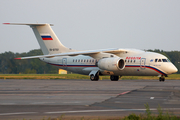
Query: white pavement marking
[(7, 103), (83, 111), (35, 103), (151, 98), (19, 113), (73, 102), (112, 110)]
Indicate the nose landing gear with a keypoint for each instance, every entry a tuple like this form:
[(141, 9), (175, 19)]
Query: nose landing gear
[(114, 78), (161, 78)]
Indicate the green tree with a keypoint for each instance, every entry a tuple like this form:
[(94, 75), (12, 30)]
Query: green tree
[(11, 66)]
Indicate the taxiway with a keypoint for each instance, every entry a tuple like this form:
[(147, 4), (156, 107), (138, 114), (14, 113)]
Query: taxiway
[(35, 99)]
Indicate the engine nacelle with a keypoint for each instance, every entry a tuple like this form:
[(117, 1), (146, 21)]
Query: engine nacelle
[(111, 64)]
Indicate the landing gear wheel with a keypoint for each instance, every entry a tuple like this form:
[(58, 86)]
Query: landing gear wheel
[(162, 79), (94, 78), (114, 78)]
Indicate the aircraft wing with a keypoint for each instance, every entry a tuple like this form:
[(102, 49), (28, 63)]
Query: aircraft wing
[(88, 53)]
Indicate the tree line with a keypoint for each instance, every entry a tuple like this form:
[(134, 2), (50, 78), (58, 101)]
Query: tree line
[(30, 66), (34, 66)]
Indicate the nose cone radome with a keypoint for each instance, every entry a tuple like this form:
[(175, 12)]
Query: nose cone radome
[(172, 69)]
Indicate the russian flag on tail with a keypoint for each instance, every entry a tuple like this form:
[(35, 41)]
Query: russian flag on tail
[(46, 37)]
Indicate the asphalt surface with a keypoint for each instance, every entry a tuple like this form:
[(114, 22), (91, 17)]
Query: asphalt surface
[(37, 99)]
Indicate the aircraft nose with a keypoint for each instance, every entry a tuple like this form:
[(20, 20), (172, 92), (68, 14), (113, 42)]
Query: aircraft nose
[(172, 69)]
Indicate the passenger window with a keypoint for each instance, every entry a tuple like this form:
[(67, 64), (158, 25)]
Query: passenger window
[(73, 60), (89, 60), (131, 60), (92, 60), (111, 55), (81, 60), (125, 60), (159, 60), (78, 60), (128, 60), (84, 60), (156, 60), (134, 60)]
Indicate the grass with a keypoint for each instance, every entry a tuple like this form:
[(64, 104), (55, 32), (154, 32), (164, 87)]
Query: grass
[(78, 76), (149, 116)]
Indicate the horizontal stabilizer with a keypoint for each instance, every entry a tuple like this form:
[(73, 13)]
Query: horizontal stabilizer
[(30, 24), (46, 38)]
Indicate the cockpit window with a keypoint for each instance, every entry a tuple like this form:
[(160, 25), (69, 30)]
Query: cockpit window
[(164, 60), (156, 60)]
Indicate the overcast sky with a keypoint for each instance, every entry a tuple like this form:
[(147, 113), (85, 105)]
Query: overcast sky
[(93, 24)]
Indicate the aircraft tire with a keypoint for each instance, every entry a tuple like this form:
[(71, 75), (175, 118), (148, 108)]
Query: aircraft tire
[(159, 79), (94, 78), (114, 78), (162, 79)]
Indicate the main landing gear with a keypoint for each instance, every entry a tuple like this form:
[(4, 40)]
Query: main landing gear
[(114, 78), (94, 78), (161, 78)]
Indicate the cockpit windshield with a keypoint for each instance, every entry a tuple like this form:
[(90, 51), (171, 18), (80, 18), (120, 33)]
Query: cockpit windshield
[(162, 60)]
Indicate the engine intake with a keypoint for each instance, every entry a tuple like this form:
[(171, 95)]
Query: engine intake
[(111, 64)]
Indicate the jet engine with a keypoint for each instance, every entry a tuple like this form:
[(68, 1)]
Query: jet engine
[(111, 64)]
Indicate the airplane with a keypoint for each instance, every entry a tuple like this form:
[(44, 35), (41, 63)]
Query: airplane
[(112, 62)]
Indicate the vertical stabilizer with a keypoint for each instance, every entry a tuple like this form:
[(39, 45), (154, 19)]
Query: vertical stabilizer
[(47, 39)]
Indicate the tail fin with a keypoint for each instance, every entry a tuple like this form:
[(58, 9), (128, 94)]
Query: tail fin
[(47, 39)]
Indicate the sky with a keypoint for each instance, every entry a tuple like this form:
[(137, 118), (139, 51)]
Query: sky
[(93, 24)]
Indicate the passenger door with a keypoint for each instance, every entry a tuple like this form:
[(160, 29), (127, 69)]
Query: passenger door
[(143, 63), (64, 62)]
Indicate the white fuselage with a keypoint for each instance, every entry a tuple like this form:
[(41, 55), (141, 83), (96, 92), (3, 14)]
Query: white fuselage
[(137, 63), (113, 62)]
